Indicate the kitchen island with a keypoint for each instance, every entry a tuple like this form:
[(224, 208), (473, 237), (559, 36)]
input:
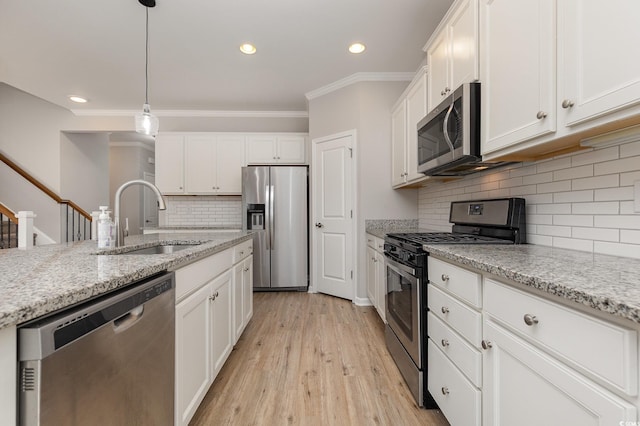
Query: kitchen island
[(46, 279)]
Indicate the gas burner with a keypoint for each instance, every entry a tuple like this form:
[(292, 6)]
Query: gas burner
[(448, 238)]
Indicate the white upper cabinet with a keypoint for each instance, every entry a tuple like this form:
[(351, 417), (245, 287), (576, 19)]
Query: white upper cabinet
[(170, 164), (213, 164), (598, 66), (452, 52), (518, 71), (409, 110), (555, 72), (276, 149)]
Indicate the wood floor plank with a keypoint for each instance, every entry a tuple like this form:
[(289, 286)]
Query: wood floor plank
[(311, 359)]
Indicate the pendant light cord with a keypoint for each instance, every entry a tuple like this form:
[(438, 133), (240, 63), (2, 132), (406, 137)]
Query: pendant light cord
[(146, 59)]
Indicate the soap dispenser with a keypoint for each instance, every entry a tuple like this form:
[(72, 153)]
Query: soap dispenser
[(106, 229)]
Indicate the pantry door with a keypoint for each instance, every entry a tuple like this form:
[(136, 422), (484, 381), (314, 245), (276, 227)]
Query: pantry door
[(333, 220)]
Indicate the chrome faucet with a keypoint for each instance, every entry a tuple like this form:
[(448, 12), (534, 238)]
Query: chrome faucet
[(119, 229)]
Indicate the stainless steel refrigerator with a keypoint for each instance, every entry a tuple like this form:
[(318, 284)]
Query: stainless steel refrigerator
[(274, 205)]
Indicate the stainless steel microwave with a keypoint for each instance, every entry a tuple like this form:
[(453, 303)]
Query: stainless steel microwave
[(449, 136)]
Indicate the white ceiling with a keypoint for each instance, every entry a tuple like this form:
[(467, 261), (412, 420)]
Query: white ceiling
[(55, 48)]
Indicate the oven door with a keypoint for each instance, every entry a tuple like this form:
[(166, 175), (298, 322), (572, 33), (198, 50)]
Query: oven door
[(403, 306)]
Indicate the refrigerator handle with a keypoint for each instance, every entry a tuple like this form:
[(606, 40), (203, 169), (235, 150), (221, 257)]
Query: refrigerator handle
[(267, 216), (271, 219)]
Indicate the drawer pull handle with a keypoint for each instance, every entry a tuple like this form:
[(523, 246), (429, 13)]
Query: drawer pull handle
[(445, 390), (445, 310), (530, 319), (445, 343), (444, 277), (486, 344), (241, 253)]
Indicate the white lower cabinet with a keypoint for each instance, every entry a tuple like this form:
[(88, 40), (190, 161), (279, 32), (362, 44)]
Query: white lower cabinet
[(214, 304), (524, 386), (376, 275), (499, 355), (193, 353)]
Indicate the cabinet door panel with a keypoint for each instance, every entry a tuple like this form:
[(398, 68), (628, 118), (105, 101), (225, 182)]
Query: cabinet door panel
[(291, 149), (200, 166), (221, 321), (170, 164), (398, 144), (261, 149), (193, 353), (238, 294), (599, 67), (518, 71), (371, 276), (381, 287), (524, 386), (229, 162), (438, 76), (464, 44), (416, 110), (247, 289)]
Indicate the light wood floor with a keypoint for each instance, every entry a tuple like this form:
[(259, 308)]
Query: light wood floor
[(311, 359)]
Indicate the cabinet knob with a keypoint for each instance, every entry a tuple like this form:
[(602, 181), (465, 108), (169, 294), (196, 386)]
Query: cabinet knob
[(541, 114), (246, 269), (567, 104), (530, 319), (241, 253), (380, 246), (217, 294), (180, 187), (444, 343), (445, 390), (445, 310), (375, 260), (447, 90), (212, 298), (445, 277), (486, 344), (442, 93)]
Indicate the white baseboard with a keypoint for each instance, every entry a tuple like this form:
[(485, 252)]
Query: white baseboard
[(362, 301)]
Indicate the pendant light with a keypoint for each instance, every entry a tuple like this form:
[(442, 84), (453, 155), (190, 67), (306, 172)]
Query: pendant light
[(147, 123)]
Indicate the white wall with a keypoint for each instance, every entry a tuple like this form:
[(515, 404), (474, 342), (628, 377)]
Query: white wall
[(366, 107), (84, 169), (582, 201)]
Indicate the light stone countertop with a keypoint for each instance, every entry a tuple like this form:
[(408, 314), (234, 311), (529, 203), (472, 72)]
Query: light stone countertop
[(45, 279), (609, 284)]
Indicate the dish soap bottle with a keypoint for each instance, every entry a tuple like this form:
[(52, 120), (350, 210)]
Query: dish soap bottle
[(106, 229)]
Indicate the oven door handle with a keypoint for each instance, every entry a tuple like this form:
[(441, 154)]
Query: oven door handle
[(400, 268)]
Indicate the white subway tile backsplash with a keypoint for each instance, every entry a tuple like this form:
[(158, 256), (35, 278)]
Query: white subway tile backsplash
[(204, 211), (628, 164), (582, 201), (595, 156), (573, 173), (572, 220), (573, 244), (608, 181), (599, 234), (612, 207)]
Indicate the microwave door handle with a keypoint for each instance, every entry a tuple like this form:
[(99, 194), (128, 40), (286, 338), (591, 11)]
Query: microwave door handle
[(445, 131)]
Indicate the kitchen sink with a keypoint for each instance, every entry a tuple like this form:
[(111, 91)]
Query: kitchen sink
[(161, 249)]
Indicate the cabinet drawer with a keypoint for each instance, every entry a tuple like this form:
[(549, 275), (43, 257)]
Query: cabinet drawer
[(242, 250), (371, 241), (459, 281), (458, 399), (456, 314), (605, 350), (197, 274), (379, 242), (467, 358)]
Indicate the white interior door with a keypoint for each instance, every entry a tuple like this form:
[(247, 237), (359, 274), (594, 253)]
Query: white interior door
[(333, 231), (150, 202)]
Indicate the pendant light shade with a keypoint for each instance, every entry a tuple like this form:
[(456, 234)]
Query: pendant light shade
[(147, 123)]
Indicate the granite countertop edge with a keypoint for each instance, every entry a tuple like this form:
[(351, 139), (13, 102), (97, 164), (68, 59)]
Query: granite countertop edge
[(71, 274), (621, 299)]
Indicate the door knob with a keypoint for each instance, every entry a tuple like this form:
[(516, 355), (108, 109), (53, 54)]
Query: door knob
[(319, 225)]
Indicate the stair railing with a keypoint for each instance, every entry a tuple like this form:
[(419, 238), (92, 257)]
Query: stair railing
[(76, 222), (8, 228)]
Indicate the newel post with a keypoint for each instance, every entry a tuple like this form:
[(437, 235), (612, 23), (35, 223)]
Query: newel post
[(25, 229)]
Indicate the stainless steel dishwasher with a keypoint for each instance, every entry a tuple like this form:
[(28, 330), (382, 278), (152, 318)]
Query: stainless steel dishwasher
[(107, 362)]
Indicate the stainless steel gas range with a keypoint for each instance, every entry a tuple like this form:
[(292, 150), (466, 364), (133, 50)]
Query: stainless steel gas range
[(495, 221)]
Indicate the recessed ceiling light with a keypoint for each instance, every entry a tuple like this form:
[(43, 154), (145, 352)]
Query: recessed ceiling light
[(248, 48), (357, 48), (77, 99)]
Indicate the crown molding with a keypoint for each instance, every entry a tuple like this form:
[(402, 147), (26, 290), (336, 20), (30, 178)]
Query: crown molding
[(186, 113), (358, 78)]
